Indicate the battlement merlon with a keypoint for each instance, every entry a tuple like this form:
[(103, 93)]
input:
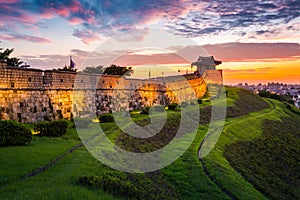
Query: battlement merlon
[(205, 63), (3, 64)]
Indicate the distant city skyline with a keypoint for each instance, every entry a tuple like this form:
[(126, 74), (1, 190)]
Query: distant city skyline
[(258, 41), (292, 90)]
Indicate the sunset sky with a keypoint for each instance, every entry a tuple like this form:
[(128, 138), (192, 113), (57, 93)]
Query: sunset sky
[(258, 41)]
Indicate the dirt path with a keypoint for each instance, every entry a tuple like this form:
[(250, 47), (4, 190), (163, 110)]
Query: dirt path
[(52, 162), (44, 167)]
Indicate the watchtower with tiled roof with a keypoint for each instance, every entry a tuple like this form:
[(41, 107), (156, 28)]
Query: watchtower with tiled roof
[(206, 63)]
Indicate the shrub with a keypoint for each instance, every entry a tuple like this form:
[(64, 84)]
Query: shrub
[(292, 108), (159, 108), (82, 122), (192, 103), (51, 129), (104, 118), (282, 98), (200, 101), (114, 183), (145, 110), (131, 186), (184, 104), (14, 133), (172, 106)]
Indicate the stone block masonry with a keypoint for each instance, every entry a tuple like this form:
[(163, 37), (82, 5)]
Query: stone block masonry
[(33, 95)]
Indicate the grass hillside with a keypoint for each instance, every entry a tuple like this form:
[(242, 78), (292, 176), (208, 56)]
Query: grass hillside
[(250, 159), (253, 159), (271, 163)]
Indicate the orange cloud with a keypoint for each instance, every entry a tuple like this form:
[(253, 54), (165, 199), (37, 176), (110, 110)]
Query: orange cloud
[(164, 58), (259, 72)]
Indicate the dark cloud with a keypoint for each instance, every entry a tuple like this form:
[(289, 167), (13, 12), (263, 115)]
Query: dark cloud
[(79, 53), (228, 15), (263, 32), (105, 17), (187, 17)]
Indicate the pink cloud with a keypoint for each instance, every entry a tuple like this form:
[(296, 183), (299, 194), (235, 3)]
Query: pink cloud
[(9, 1), (17, 16), (75, 21), (51, 12), (28, 38), (171, 12), (87, 36)]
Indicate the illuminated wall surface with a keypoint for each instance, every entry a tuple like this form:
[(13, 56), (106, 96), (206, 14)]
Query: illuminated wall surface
[(32, 95)]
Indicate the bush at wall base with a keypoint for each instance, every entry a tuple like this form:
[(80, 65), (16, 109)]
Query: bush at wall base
[(184, 104), (172, 106), (104, 118), (82, 122), (159, 108), (14, 133), (52, 129), (145, 110)]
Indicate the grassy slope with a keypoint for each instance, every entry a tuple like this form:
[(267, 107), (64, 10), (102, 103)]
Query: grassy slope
[(185, 176), (59, 182), (245, 128), (271, 162), (184, 179), (18, 161)]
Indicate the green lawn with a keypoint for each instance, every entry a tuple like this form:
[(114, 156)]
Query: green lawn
[(18, 161), (183, 179), (59, 182)]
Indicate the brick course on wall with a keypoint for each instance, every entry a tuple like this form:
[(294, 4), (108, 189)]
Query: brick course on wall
[(33, 95)]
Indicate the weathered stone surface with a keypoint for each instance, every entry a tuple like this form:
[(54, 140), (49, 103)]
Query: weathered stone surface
[(31, 95)]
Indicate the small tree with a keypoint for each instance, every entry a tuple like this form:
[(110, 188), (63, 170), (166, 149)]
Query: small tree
[(66, 69), (118, 70), (13, 61), (70, 68), (94, 70), (4, 55)]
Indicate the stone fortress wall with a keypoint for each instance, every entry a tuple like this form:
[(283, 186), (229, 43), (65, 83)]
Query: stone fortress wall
[(33, 95)]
